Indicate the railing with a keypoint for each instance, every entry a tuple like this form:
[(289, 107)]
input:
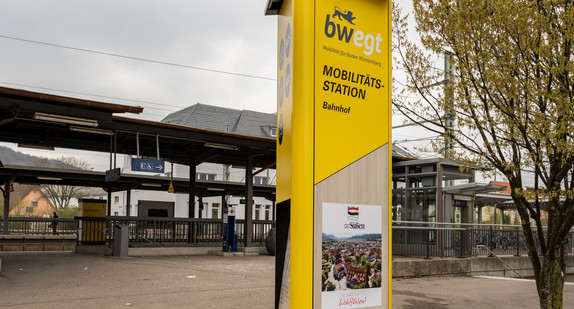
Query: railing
[(142, 231), (426, 240), (410, 239), (183, 231), (40, 226)]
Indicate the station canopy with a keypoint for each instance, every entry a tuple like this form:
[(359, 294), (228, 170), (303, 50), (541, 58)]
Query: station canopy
[(484, 193), (45, 121)]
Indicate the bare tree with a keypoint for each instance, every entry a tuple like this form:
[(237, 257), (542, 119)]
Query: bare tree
[(511, 94), (61, 195)]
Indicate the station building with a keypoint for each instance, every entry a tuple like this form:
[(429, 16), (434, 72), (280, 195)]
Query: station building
[(212, 118)]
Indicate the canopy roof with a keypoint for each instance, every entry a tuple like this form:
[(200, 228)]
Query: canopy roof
[(46, 121)]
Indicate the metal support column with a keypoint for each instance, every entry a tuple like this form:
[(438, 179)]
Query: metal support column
[(494, 218), (128, 201), (479, 214), (191, 201), (110, 202), (6, 194), (248, 228), (192, 172)]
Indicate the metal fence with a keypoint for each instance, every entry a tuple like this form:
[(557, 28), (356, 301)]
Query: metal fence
[(427, 240), (183, 231), (409, 239), (40, 226), (142, 231)]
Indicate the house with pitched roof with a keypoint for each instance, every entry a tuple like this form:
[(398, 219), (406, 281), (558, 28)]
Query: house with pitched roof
[(31, 202)]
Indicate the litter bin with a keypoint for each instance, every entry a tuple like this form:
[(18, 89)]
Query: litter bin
[(121, 240), (270, 241)]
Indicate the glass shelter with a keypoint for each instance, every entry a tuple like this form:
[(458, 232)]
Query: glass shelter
[(418, 190), (432, 200)]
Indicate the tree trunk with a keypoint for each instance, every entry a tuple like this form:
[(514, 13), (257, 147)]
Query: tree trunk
[(551, 279)]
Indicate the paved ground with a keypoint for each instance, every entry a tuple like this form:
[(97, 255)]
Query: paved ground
[(66, 280), (86, 281), (467, 292)]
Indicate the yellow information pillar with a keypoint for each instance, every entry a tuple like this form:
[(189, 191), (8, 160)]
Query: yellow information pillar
[(333, 154), (93, 223)]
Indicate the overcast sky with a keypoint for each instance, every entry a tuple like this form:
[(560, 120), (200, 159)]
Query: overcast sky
[(230, 36)]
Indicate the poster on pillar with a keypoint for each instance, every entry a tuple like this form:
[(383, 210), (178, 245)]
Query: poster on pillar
[(352, 255)]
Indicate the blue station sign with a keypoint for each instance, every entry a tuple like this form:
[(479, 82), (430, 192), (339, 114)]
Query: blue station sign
[(148, 165), (460, 203)]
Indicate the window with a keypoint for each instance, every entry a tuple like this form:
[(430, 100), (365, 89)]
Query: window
[(273, 131), (205, 176), (202, 208), (116, 199), (34, 203), (215, 211), (422, 206), (417, 169), (267, 211), (116, 213), (419, 182), (399, 182), (261, 180), (399, 197), (257, 212), (453, 180)]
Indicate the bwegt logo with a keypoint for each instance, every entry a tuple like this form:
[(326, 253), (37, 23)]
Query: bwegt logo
[(369, 42)]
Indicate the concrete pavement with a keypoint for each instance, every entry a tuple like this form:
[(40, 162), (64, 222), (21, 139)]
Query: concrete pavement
[(470, 293), (68, 280)]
